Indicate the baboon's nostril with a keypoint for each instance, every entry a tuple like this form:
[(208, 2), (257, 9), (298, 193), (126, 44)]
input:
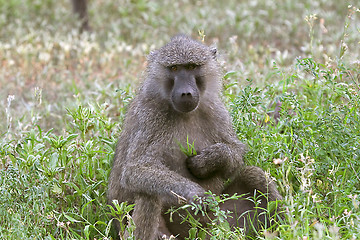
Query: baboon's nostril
[(186, 94)]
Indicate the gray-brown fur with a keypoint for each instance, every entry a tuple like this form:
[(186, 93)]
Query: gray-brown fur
[(245, 182), (149, 167)]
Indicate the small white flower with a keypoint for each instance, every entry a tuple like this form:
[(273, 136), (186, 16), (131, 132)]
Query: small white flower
[(44, 57)]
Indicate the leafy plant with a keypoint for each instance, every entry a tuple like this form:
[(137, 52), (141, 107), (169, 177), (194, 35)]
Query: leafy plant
[(189, 150)]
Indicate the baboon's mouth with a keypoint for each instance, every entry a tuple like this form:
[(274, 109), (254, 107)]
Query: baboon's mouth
[(185, 106)]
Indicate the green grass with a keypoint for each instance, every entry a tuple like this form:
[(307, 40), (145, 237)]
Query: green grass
[(64, 96)]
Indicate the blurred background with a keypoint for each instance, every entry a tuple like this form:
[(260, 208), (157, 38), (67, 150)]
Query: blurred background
[(43, 47)]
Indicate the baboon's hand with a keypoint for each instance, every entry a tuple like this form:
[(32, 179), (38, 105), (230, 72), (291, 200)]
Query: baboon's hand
[(198, 192), (188, 194), (204, 164), (194, 191)]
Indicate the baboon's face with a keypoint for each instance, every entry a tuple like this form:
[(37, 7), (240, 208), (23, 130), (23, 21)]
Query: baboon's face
[(184, 84), (183, 73)]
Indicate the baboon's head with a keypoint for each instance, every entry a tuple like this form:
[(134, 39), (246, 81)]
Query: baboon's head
[(183, 72)]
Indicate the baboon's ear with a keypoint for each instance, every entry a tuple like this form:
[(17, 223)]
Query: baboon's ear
[(213, 52), (151, 56)]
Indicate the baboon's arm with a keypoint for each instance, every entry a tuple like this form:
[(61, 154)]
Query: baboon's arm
[(220, 158), (223, 157), (255, 178), (156, 179)]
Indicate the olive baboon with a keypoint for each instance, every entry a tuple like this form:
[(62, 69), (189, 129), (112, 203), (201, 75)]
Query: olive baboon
[(179, 101)]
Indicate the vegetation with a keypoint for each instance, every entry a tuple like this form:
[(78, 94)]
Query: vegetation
[(64, 95)]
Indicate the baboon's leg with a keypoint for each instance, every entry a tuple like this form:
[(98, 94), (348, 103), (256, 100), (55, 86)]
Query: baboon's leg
[(250, 213), (163, 230), (146, 217)]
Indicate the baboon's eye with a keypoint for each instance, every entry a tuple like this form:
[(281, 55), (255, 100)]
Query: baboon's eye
[(170, 83), (173, 68), (191, 66), (200, 83)]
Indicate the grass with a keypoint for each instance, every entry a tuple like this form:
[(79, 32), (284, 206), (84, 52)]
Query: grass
[(64, 96)]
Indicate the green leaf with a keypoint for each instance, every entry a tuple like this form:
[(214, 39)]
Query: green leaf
[(229, 74), (71, 219), (108, 227), (202, 234), (56, 189), (86, 231), (192, 233), (53, 160)]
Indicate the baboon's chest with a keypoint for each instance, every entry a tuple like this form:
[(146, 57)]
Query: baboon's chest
[(183, 138), (182, 142)]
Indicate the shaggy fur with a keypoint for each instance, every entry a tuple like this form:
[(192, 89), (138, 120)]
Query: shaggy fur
[(149, 167)]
